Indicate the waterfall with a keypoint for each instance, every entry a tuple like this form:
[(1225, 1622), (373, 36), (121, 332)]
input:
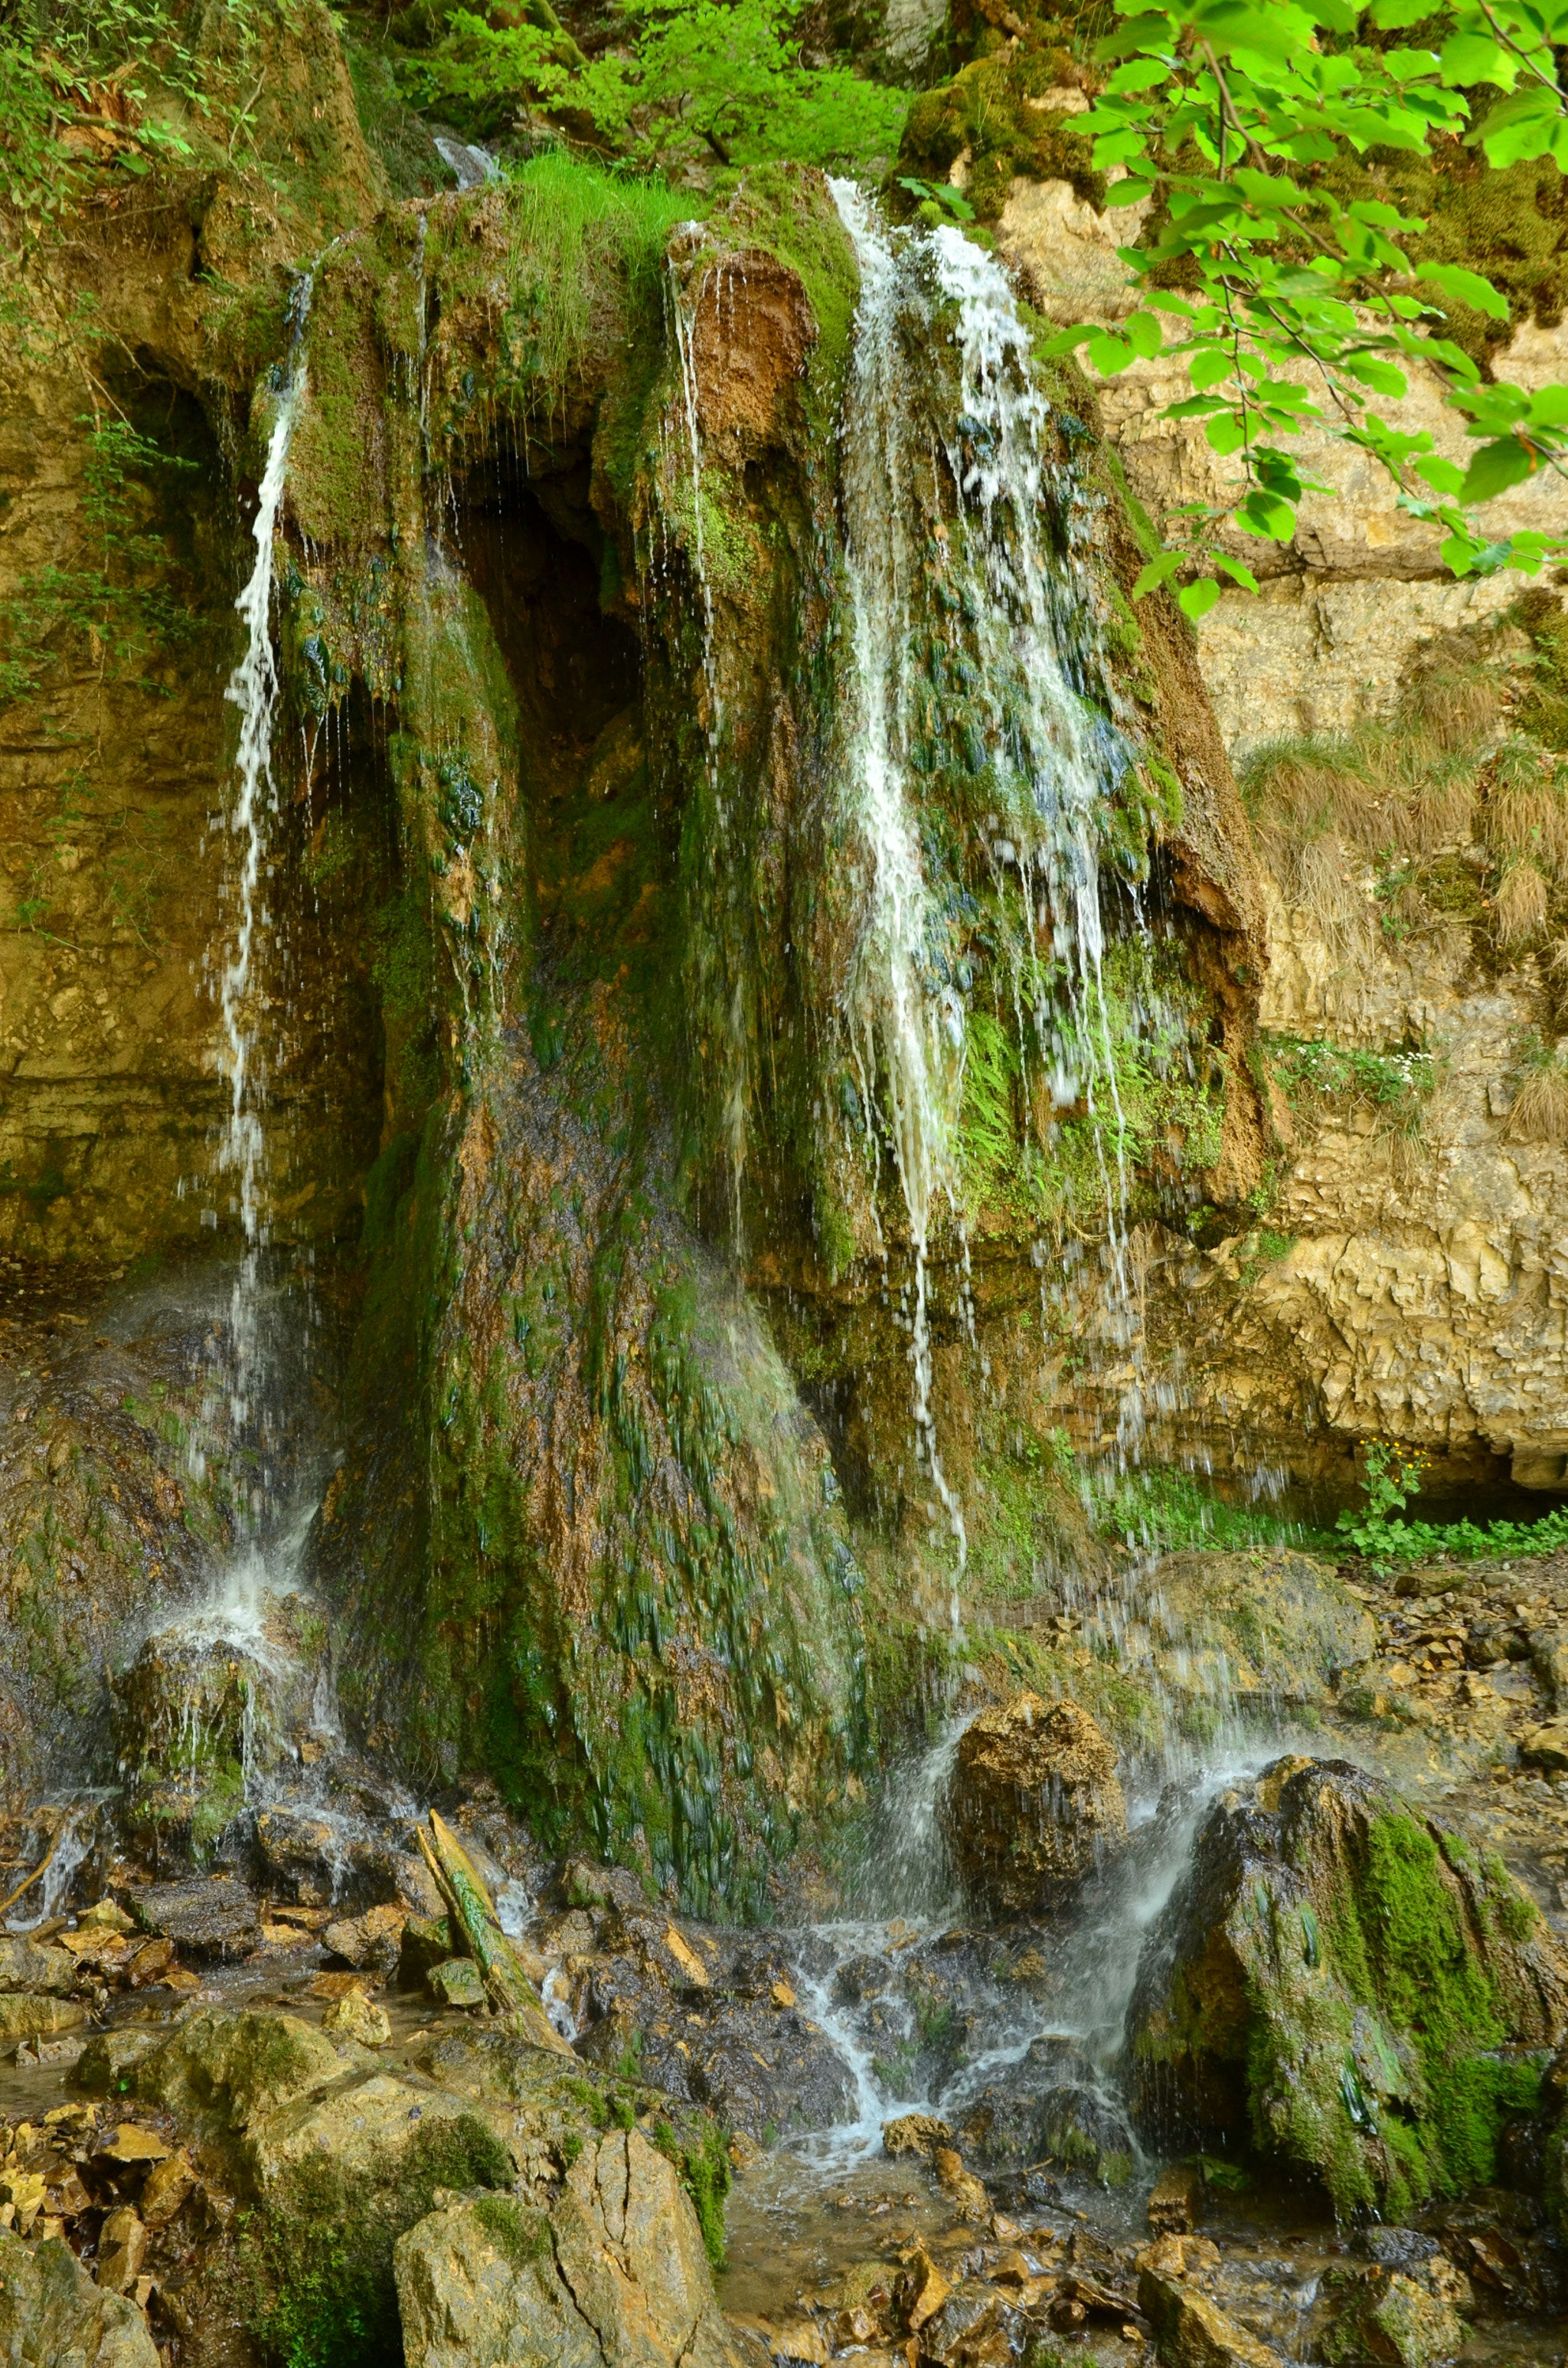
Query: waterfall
[(254, 688), (1013, 623)]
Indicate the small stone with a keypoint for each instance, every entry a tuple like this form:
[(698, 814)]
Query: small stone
[(131, 2143), (1173, 2200), (922, 2290), (24, 2192), (1167, 2256), (354, 2016), (919, 2133), (122, 2243), (105, 1916), (169, 2184), (458, 1982)]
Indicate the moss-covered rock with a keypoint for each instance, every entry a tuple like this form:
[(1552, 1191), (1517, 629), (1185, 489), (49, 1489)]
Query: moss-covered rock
[(1339, 1980)]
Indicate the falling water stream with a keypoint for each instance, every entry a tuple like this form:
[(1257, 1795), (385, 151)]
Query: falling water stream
[(1019, 631)]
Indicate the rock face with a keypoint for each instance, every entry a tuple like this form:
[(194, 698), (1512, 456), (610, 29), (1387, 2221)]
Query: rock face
[(1034, 1804), (53, 2315), (615, 2272), (1341, 1981)]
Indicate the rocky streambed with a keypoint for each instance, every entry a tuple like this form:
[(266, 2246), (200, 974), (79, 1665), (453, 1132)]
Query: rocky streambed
[(1255, 2060)]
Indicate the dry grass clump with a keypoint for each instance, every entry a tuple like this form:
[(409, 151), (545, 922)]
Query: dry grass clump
[(1523, 903), (1540, 1107), (1526, 817), (1455, 702)]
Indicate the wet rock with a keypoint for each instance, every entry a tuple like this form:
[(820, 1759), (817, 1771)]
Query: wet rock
[(26, 2016), (1549, 1658), (1190, 2331), (170, 2185), (105, 1916), (969, 2195), (43, 1971), (1175, 2201), (372, 1940), (427, 1941), (616, 2271), (1034, 1804), (1084, 2131), (50, 2311), (922, 2291), (586, 1885), (122, 2247), (1546, 1746), (457, 1981), (300, 1856), (129, 2143), (212, 1919), (1333, 1965), (208, 1701), (1396, 2320), (914, 2133)]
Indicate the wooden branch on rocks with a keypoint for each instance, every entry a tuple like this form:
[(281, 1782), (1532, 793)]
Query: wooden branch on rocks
[(477, 1928)]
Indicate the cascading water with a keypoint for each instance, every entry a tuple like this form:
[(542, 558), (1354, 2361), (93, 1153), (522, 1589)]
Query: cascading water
[(253, 689), (1013, 623)]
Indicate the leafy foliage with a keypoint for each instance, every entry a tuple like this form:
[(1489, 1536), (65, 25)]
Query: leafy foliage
[(1226, 115), (722, 79), (1378, 1530)]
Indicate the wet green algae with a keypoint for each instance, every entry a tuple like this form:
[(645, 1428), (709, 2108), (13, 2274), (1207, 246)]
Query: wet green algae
[(589, 1537)]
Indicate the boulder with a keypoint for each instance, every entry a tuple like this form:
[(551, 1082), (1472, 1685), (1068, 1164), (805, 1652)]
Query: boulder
[(1339, 1979), (222, 2071), (51, 2312), (1083, 2130), (1050, 2105), (615, 2272), (1033, 1805), (109, 2060)]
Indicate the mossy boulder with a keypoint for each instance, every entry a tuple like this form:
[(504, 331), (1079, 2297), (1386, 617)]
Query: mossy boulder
[(1340, 1980)]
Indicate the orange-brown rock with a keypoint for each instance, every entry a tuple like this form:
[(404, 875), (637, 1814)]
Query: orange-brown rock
[(1034, 1804)]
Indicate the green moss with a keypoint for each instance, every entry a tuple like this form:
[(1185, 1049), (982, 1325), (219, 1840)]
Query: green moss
[(707, 2175), (313, 2265), (520, 2235)]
